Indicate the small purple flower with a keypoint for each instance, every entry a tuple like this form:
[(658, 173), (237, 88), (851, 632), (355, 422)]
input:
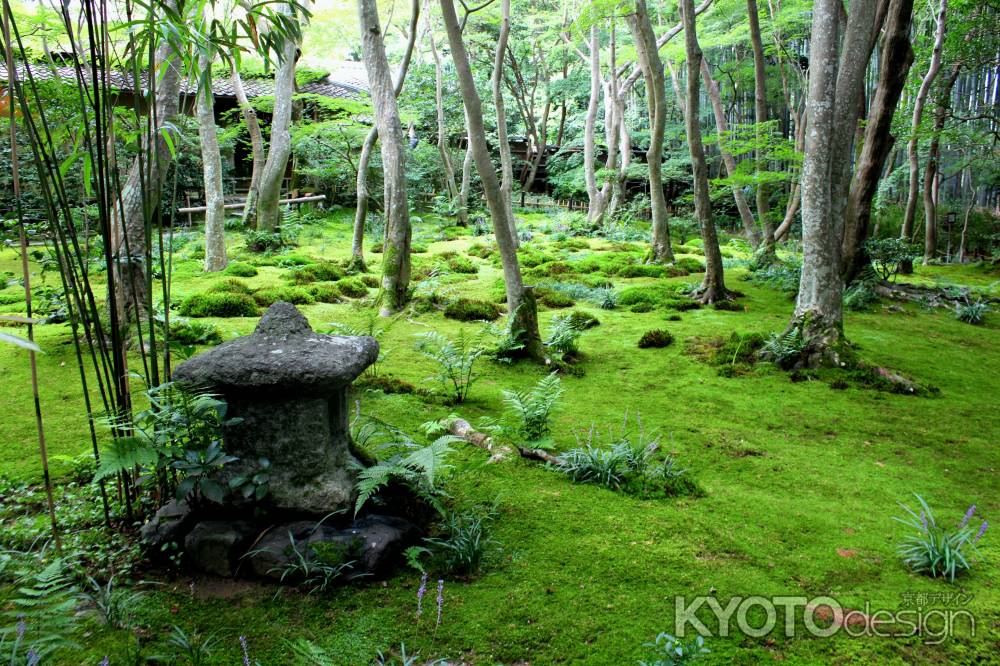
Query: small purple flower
[(246, 650), (421, 591), (22, 627), (923, 519), (105, 661), (968, 516), (440, 600), (982, 530), (33, 658)]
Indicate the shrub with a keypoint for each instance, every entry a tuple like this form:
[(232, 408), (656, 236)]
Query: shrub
[(294, 295), (218, 304), (583, 320), (887, 255), (232, 286), (325, 292), (185, 332), (936, 550), (468, 309), (555, 299), (655, 338), (240, 269), (779, 275), (352, 287), (325, 271)]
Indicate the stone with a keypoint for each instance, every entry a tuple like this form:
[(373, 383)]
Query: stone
[(215, 546), (383, 540), (167, 525), (286, 387)]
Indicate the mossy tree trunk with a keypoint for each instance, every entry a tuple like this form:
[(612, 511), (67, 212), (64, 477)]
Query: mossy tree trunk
[(396, 254), (520, 301), (211, 160), (713, 287)]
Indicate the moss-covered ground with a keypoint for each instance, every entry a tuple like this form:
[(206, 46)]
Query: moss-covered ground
[(801, 482)]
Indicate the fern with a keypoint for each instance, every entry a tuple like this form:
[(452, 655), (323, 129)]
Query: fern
[(531, 410), (42, 613), (419, 468), (563, 338), (783, 348), (455, 359)]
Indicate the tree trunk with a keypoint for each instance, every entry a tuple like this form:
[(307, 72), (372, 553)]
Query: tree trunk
[(211, 159), (280, 148), (396, 253), (442, 139), (818, 308), (595, 207), (933, 159), (361, 182), (760, 117), (503, 143), (918, 111), (713, 287), (749, 225), (463, 193), (140, 195), (895, 61), (256, 147), (652, 71), (520, 299)]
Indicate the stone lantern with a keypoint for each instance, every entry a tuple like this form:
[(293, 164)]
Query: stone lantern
[(286, 387)]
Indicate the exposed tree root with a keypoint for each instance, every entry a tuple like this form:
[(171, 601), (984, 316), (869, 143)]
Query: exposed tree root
[(463, 429), (930, 296)]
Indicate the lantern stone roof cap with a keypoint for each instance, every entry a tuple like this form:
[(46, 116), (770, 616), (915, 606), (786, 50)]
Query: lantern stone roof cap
[(283, 353)]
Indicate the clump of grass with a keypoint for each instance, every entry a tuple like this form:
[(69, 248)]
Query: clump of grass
[(690, 264), (320, 272), (555, 299), (935, 550), (325, 292), (232, 286), (583, 320)]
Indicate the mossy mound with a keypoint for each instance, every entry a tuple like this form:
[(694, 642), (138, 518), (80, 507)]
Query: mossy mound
[(218, 304), (326, 271), (469, 309), (325, 292), (352, 287), (656, 338), (231, 286), (293, 295), (241, 269)]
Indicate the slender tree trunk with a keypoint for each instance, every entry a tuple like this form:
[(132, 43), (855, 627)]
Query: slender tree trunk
[(503, 143), (963, 245), (396, 254), (652, 71), (520, 299), (590, 131), (442, 140), (463, 194), (713, 287), (895, 61), (760, 133), (280, 147), (364, 159), (140, 195), (256, 147), (211, 159), (933, 160), (918, 111), (746, 216)]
